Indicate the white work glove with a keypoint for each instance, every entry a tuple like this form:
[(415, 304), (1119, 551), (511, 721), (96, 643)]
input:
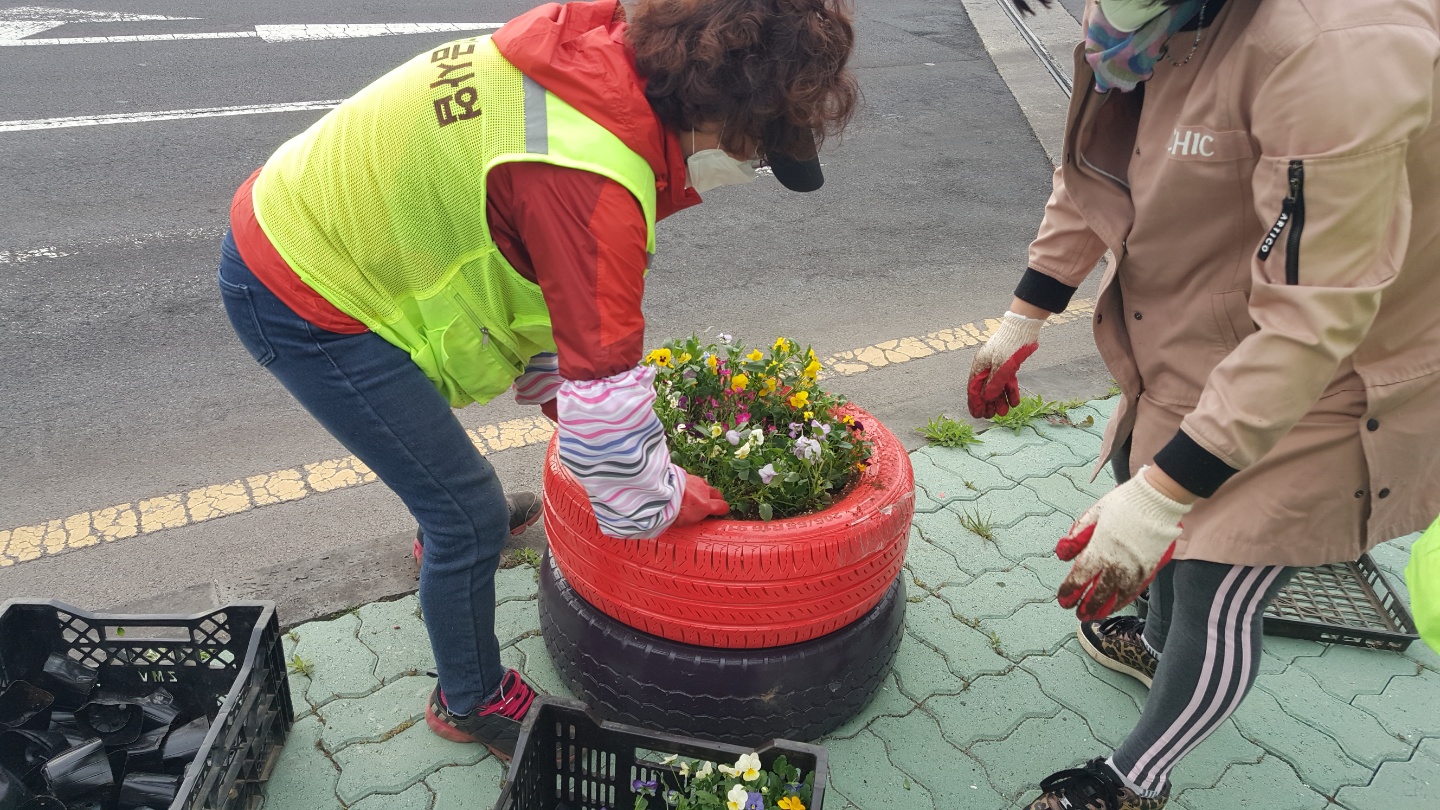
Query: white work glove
[(1118, 545), (993, 388)]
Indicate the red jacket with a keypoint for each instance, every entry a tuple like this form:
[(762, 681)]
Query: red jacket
[(578, 235)]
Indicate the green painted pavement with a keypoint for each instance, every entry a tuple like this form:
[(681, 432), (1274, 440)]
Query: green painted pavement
[(990, 691)]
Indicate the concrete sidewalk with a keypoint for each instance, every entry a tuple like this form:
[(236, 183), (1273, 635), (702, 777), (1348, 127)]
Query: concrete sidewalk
[(990, 691)]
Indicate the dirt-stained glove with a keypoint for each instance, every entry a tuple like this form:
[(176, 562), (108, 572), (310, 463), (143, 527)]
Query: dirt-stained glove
[(699, 502), (993, 388), (1118, 545)]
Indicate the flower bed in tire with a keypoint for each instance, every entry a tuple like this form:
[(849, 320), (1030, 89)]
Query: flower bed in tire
[(743, 584), (743, 697)]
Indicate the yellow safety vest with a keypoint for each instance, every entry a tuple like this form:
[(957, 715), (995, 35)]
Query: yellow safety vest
[(380, 208)]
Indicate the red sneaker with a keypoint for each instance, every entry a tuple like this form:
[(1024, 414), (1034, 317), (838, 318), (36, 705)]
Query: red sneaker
[(495, 725)]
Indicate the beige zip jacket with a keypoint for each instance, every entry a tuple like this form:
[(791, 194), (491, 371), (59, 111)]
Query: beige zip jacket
[(1273, 313)]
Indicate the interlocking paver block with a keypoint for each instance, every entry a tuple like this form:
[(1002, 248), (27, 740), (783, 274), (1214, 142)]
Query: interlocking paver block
[(1059, 491), (395, 633), (467, 787), (1080, 477), (1036, 749), (1360, 735), (888, 701), (966, 649), (1034, 536), (399, 762), (1005, 507), (1003, 441), (371, 718), (923, 673), (1269, 784), (1409, 707), (860, 769), (304, 778), (1279, 652), (516, 619), (1415, 783), (417, 797), (995, 594), (1110, 712), (1083, 442), (918, 748), (1318, 759), (538, 667), (1035, 629), (342, 665), (934, 566), (1203, 767), (1420, 653), (1345, 671), (991, 709), (950, 474), (973, 554), (1136, 690), (1035, 462), (515, 583), (1050, 569)]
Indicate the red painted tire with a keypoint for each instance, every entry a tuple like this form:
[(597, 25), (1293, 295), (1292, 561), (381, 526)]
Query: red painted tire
[(741, 583)]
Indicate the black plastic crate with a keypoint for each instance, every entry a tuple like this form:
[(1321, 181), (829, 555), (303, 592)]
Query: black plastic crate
[(568, 758), (228, 662), (1342, 603)]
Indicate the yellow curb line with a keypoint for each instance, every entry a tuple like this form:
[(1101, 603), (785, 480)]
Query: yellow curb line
[(63, 535)]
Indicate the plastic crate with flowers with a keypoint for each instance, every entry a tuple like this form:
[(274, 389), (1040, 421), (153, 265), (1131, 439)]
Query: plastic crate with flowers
[(568, 759)]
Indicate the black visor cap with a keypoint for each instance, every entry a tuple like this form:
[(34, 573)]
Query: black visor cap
[(791, 154)]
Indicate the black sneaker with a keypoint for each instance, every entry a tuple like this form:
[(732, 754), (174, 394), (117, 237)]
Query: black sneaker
[(1118, 643), (525, 509), (495, 725), (1092, 786)]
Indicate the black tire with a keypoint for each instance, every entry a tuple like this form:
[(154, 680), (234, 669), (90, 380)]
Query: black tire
[(740, 696)]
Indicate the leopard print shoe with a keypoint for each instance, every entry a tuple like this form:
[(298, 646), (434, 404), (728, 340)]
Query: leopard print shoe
[(1117, 644), (1092, 786)]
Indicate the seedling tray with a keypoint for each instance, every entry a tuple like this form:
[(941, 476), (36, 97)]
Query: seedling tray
[(1343, 603), (567, 758)]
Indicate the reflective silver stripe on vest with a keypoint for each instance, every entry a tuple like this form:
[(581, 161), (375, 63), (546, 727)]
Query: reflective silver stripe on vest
[(537, 133)]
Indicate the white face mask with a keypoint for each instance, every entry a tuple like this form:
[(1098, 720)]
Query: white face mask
[(713, 168)]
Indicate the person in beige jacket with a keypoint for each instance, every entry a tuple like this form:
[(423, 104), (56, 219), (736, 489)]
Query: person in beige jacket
[(1266, 174)]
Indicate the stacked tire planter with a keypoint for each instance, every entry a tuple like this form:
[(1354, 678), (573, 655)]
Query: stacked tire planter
[(738, 631)]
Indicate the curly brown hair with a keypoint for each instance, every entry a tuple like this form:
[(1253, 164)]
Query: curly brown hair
[(747, 65)]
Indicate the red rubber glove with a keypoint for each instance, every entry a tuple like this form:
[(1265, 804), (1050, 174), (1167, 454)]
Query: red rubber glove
[(699, 502), (994, 388), (1118, 546)]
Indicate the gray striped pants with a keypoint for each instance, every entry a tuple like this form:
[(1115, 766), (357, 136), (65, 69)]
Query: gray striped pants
[(1206, 618)]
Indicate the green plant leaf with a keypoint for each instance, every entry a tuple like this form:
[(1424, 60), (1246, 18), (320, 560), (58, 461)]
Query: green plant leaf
[(767, 512)]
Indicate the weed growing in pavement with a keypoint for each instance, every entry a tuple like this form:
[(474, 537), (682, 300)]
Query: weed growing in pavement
[(293, 636), (1037, 407), (976, 524), (299, 666), (995, 643), (522, 556), (946, 432)]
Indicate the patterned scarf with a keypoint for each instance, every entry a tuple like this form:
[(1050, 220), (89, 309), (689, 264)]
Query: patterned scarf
[(1120, 60)]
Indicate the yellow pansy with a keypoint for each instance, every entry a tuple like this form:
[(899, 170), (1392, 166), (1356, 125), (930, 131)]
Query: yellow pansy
[(738, 382), (659, 357), (799, 398), (755, 355), (715, 431), (711, 361), (770, 385), (782, 345), (685, 357), (812, 368), (848, 419), (790, 803), (809, 414)]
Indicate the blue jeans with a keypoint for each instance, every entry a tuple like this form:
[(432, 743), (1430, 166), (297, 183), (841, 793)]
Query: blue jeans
[(370, 395)]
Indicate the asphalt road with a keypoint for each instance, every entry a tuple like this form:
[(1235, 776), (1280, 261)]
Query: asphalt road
[(124, 382)]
